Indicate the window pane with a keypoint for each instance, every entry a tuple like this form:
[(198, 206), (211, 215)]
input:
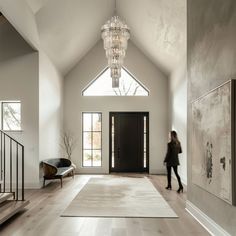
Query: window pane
[(87, 158), (97, 138), (102, 86), (92, 139), (97, 120), (145, 160), (97, 158), (112, 143), (87, 140), (145, 142), (145, 124), (11, 116), (113, 124), (87, 121), (113, 160)]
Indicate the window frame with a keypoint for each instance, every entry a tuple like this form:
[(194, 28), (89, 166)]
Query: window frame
[(129, 73), (92, 149), (2, 116)]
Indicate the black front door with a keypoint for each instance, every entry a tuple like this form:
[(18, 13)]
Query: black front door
[(129, 141)]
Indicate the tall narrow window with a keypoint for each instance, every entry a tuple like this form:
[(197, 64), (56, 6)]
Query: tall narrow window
[(145, 142), (113, 141), (92, 139), (11, 116)]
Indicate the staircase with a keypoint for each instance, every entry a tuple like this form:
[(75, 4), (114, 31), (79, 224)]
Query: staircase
[(11, 177)]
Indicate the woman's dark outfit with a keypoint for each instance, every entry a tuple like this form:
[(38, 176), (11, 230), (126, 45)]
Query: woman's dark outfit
[(172, 160)]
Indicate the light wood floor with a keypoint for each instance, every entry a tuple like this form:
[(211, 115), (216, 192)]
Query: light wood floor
[(42, 216)]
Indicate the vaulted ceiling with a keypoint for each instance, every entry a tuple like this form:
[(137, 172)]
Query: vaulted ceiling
[(68, 29)]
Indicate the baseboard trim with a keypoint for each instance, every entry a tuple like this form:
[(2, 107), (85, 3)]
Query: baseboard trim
[(211, 226), (157, 171), (32, 186)]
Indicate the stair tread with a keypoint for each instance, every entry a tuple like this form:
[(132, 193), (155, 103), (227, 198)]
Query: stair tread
[(5, 196), (10, 208)]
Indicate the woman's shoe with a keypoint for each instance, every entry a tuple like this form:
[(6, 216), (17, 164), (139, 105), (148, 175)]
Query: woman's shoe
[(181, 189), (168, 187)]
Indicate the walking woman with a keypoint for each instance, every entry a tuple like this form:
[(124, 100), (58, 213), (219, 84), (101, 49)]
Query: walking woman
[(172, 159)]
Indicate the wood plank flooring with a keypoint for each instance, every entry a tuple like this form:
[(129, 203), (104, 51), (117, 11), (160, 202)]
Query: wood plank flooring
[(42, 215)]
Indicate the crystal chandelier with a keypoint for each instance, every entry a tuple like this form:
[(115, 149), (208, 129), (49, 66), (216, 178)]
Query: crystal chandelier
[(115, 34)]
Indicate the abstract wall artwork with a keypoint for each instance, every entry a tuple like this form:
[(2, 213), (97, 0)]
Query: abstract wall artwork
[(211, 142)]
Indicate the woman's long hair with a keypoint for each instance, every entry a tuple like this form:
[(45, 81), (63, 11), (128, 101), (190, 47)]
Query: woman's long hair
[(174, 137)]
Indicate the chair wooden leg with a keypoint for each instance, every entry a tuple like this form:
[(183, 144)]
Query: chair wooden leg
[(61, 182), (44, 182)]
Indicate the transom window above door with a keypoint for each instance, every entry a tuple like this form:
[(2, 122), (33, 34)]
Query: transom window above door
[(102, 85)]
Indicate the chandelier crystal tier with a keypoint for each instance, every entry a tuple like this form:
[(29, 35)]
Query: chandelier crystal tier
[(115, 34)]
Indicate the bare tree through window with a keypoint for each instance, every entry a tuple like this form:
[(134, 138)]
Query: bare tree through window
[(102, 86), (11, 116), (127, 88), (92, 139)]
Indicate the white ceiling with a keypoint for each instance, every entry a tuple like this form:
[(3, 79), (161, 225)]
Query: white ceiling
[(36, 5), (68, 29)]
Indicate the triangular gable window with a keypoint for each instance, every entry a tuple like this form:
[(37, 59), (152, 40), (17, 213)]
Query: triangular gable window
[(102, 86)]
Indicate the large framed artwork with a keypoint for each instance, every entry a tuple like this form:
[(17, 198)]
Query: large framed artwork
[(213, 142)]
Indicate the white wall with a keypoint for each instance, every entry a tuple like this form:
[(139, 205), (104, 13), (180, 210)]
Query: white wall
[(22, 18), (156, 104), (50, 109), (30, 77), (19, 81), (178, 113)]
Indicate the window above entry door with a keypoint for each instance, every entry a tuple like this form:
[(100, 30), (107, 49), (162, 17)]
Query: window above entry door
[(102, 85)]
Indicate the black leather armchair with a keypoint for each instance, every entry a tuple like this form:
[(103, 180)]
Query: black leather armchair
[(57, 168)]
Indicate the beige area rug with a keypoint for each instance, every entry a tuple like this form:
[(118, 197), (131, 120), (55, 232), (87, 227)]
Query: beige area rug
[(115, 196)]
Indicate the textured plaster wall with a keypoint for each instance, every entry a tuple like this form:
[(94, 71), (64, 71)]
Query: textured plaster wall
[(211, 62), (161, 31)]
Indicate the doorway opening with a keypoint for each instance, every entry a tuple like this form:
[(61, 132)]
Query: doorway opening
[(129, 142)]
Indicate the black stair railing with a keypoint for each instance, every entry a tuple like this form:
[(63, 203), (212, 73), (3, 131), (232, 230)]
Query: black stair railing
[(11, 166)]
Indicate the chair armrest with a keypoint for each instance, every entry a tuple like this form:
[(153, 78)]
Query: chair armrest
[(49, 170)]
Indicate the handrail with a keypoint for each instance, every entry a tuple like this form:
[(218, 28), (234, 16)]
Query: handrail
[(11, 138), (11, 153)]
